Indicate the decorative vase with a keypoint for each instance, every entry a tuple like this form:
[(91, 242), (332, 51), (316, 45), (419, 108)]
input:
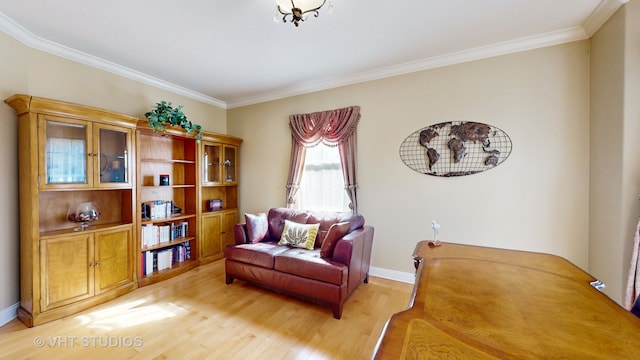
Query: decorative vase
[(83, 214)]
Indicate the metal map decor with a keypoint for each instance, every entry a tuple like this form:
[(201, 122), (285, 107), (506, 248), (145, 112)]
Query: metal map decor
[(455, 148)]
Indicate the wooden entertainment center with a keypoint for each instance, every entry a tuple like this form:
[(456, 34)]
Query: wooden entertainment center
[(71, 154)]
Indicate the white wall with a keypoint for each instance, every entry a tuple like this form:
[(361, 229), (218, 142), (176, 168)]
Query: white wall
[(14, 74), (536, 200), (615, 169)]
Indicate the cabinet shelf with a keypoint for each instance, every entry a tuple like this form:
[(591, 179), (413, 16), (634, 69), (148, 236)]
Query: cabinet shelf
[(167, 219), (93, 228), (223, 185), (169, 244), (62, 190), (204, 212), (169, 161), (176, 269), (178, 186)]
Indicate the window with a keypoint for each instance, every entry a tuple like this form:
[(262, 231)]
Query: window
[(336, 129), (322, 184)]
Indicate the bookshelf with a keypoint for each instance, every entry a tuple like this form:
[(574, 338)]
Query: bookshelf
[(71, 154), (168, 196)]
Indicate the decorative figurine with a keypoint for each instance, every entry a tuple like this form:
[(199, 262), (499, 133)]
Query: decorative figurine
[(436, 227)]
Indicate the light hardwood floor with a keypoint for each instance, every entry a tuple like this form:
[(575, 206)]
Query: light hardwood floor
[(197, 316)]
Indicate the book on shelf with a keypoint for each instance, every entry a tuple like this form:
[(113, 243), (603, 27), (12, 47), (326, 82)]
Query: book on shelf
[(157, 260), (156, 234), (148, 262), (159, 209), (150, 236), (164, 233), (187, 248)]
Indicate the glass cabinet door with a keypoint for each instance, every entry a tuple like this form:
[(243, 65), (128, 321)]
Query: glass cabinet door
[(113, 155), (230, 164), (65, 144), (212, 173)]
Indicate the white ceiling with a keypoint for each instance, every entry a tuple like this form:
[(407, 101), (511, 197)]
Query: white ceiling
[(231, 53)]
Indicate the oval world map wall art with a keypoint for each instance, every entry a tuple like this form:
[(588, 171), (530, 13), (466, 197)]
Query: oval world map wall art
[(455, 148)]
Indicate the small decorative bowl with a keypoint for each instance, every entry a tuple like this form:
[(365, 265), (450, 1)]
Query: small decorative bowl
[(83, 214)]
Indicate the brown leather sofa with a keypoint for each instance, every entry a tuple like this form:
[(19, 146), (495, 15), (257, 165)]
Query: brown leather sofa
[(327, 279)]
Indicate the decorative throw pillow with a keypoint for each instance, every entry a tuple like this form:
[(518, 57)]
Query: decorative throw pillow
[(299, 235), (257, 227), (335, 233)]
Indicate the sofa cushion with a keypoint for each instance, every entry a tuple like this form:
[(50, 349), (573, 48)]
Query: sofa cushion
[(326, 219), (322, 234), (259, 254), (309, 264), (257, 227), (335, 233), (277, 216), (299, 235)]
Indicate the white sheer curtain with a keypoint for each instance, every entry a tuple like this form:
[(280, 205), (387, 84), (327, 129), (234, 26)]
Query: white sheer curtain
[(322, 181)]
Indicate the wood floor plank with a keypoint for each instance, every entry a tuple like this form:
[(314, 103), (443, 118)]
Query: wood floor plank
[(197, 316)]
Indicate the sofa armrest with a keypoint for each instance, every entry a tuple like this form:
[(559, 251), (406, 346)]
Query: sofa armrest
[(240, 233), (354, 250)]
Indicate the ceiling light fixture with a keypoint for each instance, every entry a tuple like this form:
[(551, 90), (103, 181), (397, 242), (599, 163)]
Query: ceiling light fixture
[(295, 11)]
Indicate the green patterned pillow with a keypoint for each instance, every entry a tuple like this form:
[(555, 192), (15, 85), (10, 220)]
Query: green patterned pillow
[(299, 235)]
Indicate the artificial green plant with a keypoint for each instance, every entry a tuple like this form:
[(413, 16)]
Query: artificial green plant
[(164, 114)]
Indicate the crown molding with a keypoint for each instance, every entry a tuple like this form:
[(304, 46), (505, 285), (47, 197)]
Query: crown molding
[(29, 39), (502, 48), (601, 14)]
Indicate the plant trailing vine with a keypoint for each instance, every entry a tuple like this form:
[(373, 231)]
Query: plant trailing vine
[(164, 114)]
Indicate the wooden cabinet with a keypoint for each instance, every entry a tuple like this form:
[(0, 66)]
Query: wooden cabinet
[(230, 164), (229, 220), (219, 163), (217, 232), (71, 154), (168, 198), (78, 266), (113, 258), (66, 270), (78, 153), (219, 155), (211, 163)]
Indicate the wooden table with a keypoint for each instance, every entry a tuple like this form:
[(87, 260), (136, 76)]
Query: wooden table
[(474, 302)]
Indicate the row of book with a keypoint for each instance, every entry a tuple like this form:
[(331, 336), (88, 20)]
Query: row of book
[(155, 234), (159, 209), (156, 260)]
